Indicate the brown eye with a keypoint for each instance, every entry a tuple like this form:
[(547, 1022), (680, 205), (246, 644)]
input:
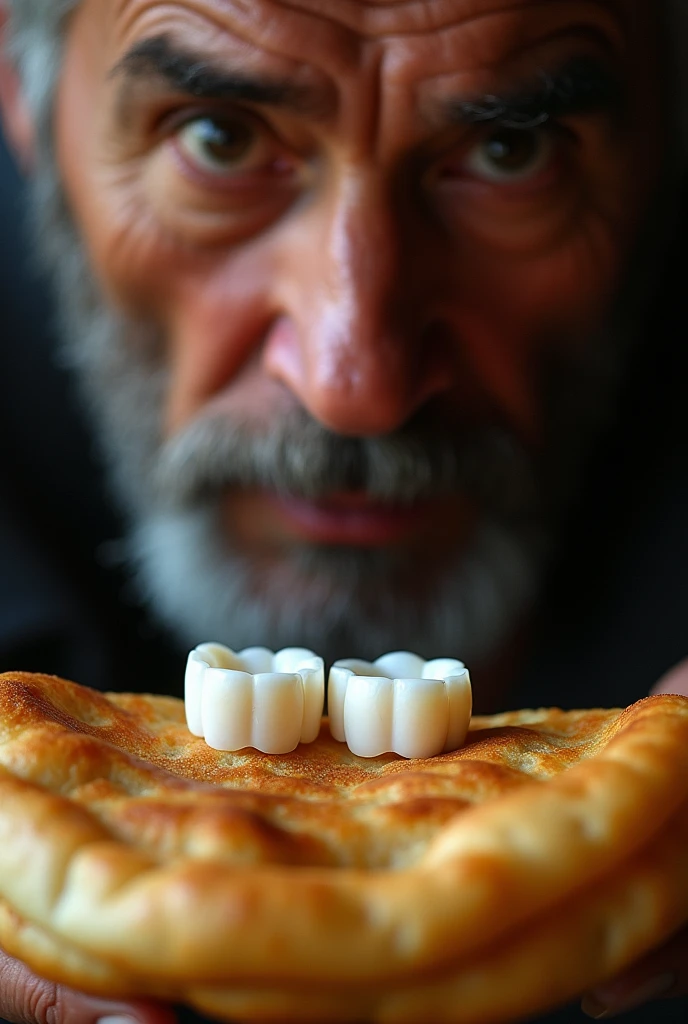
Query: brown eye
[(219, 146), (511, 155)]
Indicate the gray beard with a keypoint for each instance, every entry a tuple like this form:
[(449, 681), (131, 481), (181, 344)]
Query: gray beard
[(340, 602)]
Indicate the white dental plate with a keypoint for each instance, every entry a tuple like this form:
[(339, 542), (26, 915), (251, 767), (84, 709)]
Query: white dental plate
[(255, 698), (400, 704)]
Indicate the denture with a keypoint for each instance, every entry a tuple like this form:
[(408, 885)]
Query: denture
[(256, 698), (400, 704)]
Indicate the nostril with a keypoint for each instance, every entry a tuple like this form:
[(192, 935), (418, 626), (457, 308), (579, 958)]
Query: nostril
[(355, 381)]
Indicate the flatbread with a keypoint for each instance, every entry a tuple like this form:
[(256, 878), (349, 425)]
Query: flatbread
[(476, 887)]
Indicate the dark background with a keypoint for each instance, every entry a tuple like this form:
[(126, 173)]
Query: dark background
[(64, 607)]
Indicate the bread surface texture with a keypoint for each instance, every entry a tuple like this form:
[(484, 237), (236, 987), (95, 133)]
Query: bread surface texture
[(476, 887)]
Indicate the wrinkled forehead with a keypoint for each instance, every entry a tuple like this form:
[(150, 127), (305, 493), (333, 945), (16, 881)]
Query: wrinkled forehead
[(377, 18), (342, 33)]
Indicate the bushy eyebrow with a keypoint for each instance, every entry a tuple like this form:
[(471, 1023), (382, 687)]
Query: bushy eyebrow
[(195, 75), (582, 86)]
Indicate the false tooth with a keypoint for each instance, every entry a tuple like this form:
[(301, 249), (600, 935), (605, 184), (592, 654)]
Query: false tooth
[(340, 674), (255, 660), (420, 721), (375, 711), (401, 665), (205, 656), (368, 713), (312, 671), (255, 698), (196, 669), (460, 696), (227, 709), (278, 706)]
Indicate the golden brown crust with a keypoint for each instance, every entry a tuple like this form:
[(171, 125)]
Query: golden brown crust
[(135, 860)]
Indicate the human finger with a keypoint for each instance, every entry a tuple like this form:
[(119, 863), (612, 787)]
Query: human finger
[(28, 999), (675, 681)]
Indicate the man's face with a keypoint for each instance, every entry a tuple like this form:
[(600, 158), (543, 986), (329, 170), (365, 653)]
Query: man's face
[(358, 254)]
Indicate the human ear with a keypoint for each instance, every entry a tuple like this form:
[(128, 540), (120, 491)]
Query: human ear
[(14, 111)]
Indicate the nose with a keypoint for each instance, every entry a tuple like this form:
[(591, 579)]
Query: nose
[(357, 343)]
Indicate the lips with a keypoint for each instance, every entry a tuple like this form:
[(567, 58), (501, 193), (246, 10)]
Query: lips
[(350, 519)]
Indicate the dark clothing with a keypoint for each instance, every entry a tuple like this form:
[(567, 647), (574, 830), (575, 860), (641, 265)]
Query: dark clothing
[(616, 605)]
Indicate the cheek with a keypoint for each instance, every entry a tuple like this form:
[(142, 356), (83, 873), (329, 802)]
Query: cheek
[(216, 319), (510, 313), (211, 308), (565, 286), (565, 291)]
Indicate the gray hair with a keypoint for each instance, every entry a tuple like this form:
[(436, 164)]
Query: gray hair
[(36, 37)]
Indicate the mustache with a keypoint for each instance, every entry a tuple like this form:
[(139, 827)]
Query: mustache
[(296, 455)]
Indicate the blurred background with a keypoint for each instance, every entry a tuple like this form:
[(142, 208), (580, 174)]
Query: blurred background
[(617, 602), (66, 604)]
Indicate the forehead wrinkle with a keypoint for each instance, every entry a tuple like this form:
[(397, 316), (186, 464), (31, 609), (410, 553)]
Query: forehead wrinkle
[(373, 19), (297, 31), (467, 55), (367, 19), (246, 22)]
